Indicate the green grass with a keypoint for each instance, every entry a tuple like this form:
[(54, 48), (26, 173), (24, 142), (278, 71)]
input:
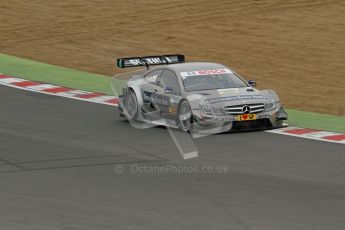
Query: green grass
[(316, 120), (37, 71)]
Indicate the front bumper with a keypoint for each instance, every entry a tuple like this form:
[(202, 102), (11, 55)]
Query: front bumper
[(265, 120)]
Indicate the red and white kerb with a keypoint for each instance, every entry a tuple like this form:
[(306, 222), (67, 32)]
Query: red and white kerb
[(57, 90), (311, 134)]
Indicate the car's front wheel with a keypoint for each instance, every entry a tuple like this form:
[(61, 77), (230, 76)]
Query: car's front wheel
[(184, 116)]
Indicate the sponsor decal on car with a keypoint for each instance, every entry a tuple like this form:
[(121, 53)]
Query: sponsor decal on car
[(160, 99), (175, 99), (246, 117), (205, 72), (149, 60), (267, 115), (172, 109), (233, 98)]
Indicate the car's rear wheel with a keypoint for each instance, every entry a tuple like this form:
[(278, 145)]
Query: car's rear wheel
[(184, 116), (131, 106)]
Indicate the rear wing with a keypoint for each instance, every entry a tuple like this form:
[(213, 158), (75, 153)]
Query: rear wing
[(150, 60)]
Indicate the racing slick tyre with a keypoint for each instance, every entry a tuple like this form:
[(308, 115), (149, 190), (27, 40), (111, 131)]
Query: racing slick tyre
[(131, 106), (184, 116)]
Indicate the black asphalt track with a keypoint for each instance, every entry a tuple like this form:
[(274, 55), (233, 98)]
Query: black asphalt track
[(61, 164)]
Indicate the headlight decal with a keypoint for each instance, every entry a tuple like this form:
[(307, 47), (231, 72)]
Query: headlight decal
[(271, 105), (207, 109)]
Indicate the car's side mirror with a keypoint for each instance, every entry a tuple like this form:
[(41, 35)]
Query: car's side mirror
[(168, 90), (252, 83)]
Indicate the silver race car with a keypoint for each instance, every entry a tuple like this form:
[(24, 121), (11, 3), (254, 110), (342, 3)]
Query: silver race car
[(196, 96)]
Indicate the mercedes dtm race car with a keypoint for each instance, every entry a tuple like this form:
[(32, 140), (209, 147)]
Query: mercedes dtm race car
[(196, 96)]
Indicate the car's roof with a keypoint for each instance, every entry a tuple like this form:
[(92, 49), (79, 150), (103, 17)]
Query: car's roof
[(192, 66)]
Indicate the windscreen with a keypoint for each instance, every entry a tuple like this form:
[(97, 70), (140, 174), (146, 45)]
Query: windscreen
[(211, 79)]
